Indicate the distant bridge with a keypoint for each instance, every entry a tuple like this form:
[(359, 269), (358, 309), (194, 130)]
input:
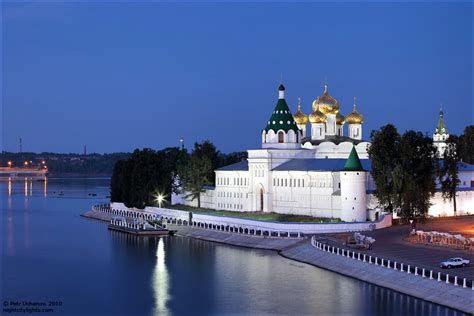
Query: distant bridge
[(35, 173)]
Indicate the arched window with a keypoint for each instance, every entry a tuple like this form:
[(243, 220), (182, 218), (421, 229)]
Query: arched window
[(281, 137)]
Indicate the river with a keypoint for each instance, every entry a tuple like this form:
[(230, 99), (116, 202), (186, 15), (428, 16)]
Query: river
[(49, 253)]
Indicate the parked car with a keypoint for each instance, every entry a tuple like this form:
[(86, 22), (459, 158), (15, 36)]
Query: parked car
[(453, 263)]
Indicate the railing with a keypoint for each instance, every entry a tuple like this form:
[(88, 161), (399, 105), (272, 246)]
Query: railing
[(390, 264), (237, 229)]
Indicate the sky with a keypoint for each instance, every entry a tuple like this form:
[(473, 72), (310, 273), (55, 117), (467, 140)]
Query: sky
[(121, 75)]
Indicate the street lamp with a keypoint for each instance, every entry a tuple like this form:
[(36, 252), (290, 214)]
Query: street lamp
[(9, 164), (160, 198), (26, 163)]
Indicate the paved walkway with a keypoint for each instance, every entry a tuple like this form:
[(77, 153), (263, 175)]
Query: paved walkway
[(390, 244), (431, 290), (269, 243)]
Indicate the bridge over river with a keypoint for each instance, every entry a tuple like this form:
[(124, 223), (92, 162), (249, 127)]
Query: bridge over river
[(20, 173)]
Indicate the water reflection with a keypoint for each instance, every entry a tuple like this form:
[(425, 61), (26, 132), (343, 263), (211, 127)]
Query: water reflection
[(161, 281), (129, 275)]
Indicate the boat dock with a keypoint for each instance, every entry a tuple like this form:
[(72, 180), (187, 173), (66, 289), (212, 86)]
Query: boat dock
[(138, 227)]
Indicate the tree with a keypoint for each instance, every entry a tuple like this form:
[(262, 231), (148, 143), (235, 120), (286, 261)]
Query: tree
[(466, 141), (384, 153), (207, 150), (137, 181), (194, 176), (415, 177), (403, 169), (448, 174)]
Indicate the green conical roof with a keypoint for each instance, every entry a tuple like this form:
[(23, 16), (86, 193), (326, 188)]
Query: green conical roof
[(353, 162), (281, 118), (441, 129)]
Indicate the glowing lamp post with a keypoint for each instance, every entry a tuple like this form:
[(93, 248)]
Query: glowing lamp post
[(160, 198), (10, 164)]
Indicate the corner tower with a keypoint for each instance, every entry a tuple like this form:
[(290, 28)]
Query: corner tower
[(281, 130), (353, 190)]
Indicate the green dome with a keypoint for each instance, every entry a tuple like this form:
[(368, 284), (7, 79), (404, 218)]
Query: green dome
[(281, 119)]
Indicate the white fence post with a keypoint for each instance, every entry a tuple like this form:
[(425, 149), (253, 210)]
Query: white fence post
[(423, 273), (364, 257), (431, 274), (376, 261), (439, 276), (409, 272), (447, 278), (394, 265), (370, 259), (464, 284), (455, 280), (416, 270)]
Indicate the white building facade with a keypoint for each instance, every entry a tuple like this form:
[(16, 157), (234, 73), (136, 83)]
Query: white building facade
[(306, 166)]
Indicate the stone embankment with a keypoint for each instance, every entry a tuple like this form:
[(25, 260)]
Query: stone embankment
[(433, 290), (305, 250)]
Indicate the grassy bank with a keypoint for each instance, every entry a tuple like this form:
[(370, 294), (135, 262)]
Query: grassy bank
[(256, 215)]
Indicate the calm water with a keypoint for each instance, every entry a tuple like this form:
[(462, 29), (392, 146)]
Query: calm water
[(50, 253)]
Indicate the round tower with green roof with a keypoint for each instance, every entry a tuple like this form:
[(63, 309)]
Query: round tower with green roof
[(353, 189), (281, 130)]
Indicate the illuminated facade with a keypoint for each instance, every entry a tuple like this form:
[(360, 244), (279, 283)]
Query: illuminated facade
[(306, 166)]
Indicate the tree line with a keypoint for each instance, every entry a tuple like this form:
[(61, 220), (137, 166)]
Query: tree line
[(138, 180), (405, 168)]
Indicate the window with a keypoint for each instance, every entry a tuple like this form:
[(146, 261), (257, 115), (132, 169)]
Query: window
[(281, 137), (339, 185)]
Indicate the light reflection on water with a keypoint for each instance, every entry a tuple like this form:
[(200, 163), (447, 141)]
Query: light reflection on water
[(50, 252)]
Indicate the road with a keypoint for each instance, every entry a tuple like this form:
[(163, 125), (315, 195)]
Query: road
[(390, 244)]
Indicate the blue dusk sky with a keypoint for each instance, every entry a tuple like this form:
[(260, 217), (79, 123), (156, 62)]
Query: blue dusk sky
[(122, 75)]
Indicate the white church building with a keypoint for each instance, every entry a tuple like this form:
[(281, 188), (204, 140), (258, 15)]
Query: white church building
[(307, 166)]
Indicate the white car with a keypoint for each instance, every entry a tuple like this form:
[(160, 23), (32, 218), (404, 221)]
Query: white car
[(453, 263)]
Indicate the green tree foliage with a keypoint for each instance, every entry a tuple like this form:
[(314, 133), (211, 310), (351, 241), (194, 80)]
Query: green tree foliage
[(417, 175), (448, 172), (137, 180), (385, 155), (466, 141), (194, 175), (403, 169)]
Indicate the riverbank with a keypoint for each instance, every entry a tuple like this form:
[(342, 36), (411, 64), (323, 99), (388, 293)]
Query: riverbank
[(301, 250)]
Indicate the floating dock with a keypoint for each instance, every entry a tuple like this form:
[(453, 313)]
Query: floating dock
[(138, 227)]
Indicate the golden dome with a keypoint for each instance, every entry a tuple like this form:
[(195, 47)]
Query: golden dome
[(317, 117), (340, 119), (355, 117), (300, 117), (326, 103)]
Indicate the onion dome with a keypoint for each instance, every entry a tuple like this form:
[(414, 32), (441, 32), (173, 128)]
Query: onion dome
[(355, 117), (281, 118), (340, 119), (317, 117), (326, 103), (300, 117)]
